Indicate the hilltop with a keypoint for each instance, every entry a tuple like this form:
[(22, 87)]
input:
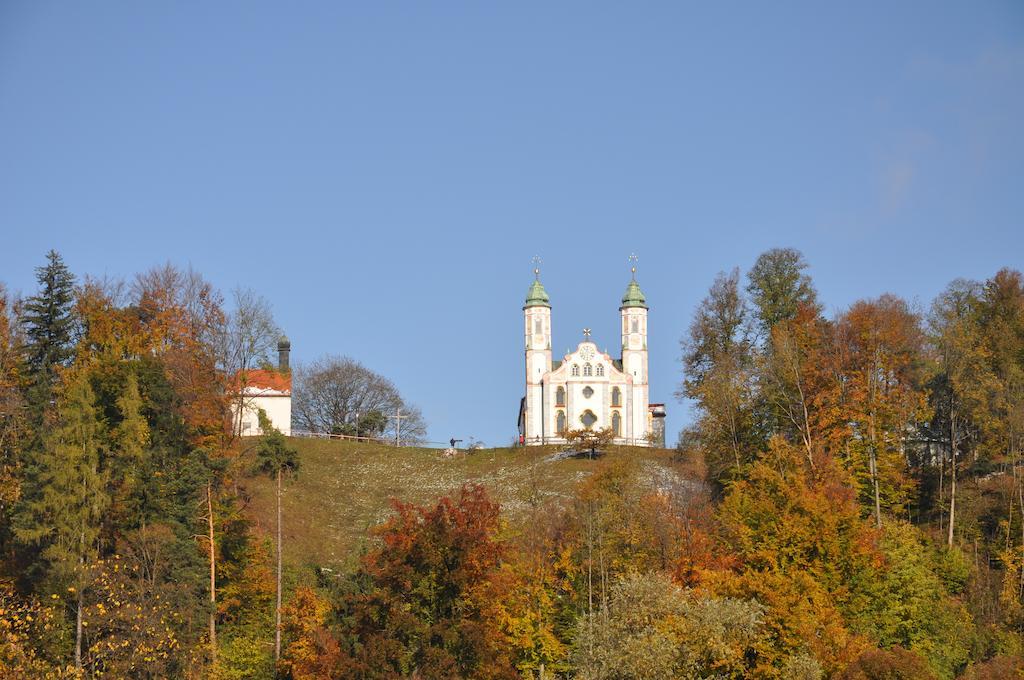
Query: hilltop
[(344, 488)]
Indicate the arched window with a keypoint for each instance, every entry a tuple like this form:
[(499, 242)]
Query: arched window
[(560, 396), (537, 328), (576, 370), (616, 396), (588, 419), (600, 370), (560, 422), (636, 326), (588, 370), (616, 423)]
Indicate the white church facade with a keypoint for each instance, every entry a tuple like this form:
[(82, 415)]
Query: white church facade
[(587, 388)]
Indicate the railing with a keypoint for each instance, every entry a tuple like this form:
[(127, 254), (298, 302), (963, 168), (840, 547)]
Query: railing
[(561, 441), (386, 441)]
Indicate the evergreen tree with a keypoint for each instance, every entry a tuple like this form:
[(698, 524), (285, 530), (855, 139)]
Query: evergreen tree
[(64, 515), (49, 328), (130, 444)]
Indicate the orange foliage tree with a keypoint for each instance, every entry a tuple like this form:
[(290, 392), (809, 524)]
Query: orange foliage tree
[(883, 396), (431, 601)]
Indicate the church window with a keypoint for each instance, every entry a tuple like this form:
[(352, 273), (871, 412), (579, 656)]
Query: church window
[(616, 423), (588, 392), (588, 419), (537, 328), (560, 422), (588, 370), (636, 326), (560, 396), (576, 370), (616, 396), (600, 370)]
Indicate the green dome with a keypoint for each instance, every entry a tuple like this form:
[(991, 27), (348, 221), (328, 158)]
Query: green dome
[(537, 296), (634, 297)]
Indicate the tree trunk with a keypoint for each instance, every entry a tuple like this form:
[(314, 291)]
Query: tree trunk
[(874, 481), (942, 490), (952, 476), (78, 632), (277, 611), (213, 572), (873, 466)]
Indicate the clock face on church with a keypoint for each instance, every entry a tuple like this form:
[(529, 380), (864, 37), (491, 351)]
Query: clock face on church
[(586, 352)]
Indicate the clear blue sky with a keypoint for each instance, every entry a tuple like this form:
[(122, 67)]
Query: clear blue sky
[(384, 171)]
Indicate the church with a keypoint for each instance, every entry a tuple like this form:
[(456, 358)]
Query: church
[(587, 388), (266, 390)]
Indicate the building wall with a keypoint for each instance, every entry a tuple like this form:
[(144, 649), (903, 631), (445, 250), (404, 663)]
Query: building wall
[(537, 341), (540, 423), (277, 407), (599, 402)]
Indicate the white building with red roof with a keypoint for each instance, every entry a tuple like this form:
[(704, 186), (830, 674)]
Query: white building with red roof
[(269, 390)]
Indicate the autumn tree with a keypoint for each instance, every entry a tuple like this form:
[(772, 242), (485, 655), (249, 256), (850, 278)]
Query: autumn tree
[(959, 390), (654, 629), (65, 512), (424, 602), (248, 337), (882, 345), (590, 440), (888, 664), (801, 551), (183, 318), (801, 384), (13, 420), (132, 624), (313, 651), (718, 364)]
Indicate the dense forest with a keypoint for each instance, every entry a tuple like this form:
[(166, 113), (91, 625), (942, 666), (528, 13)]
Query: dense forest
[(847, 503)]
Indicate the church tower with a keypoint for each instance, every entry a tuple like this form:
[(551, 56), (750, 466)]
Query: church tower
[(537, 329), (634, 357)]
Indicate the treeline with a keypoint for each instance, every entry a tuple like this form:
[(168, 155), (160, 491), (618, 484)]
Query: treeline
[(848, 504), (125, 548)]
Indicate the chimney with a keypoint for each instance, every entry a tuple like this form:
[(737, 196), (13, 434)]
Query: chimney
[(283, 348)]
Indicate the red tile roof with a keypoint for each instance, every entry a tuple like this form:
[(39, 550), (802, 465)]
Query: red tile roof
[(265, 380)]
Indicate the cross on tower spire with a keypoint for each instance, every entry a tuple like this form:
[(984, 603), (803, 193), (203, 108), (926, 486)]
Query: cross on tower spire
[(633, 259), (536, 267), (586, 333)]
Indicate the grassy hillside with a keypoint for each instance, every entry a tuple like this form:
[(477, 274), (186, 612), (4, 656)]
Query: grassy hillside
[(344, 488)]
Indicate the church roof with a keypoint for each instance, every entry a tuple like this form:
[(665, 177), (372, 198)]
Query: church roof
[(259, 380), (537, 296), (634, 297)]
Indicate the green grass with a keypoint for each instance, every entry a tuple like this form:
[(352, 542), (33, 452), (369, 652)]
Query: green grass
[(344, 488)]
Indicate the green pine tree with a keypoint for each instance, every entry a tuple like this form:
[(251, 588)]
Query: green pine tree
[(49, 323), (130, 440), (64, 514)]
